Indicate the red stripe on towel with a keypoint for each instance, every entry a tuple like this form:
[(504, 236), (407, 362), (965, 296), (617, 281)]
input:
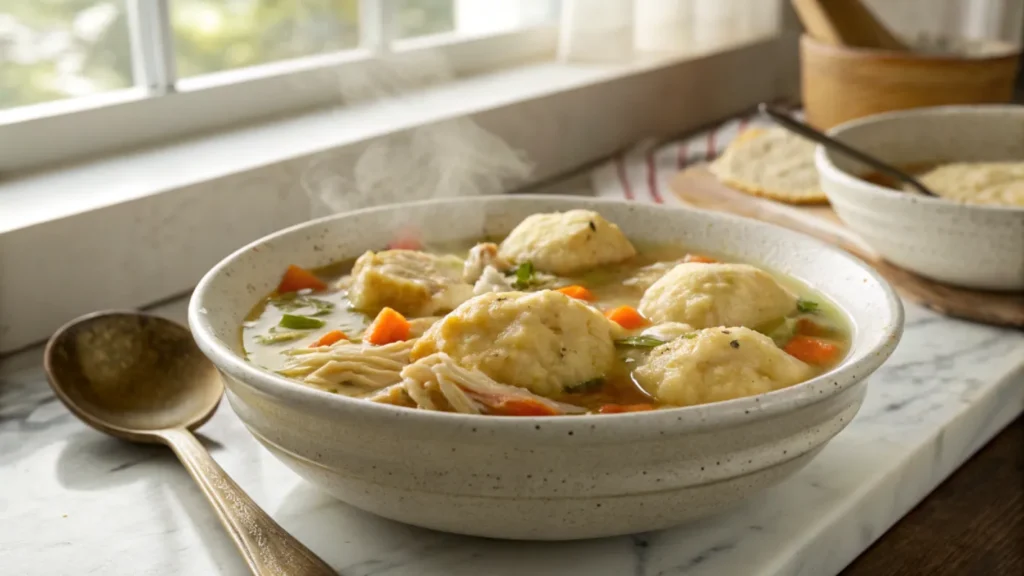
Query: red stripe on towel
[(684, 154), (620, 169), (652, 179), (709, 154)]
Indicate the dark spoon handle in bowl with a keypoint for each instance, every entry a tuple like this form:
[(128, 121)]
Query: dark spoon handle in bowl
[(783, 119)]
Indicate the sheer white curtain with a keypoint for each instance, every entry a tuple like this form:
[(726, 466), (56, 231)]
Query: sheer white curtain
[(610, 30), (970, 19)]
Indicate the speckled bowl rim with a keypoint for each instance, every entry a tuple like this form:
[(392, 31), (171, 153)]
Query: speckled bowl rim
[(828, 169), (682, 419)]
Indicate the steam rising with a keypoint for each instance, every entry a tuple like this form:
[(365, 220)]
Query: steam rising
[(446, 159)]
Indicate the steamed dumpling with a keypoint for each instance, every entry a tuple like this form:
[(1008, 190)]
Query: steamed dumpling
[(703, 295), (566, 243), (717, 364), (543, 341), (412, 282)]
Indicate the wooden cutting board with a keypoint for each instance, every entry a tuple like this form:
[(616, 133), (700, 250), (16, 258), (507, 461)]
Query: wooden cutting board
[(698, 187)]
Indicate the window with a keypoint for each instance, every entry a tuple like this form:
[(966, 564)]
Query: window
[(157, 69), (55, 50)]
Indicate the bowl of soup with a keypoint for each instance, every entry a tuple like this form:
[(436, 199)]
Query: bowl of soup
[(549, 368), (972, 235)]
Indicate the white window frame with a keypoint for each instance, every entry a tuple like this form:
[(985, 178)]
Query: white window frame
[(162, 107)]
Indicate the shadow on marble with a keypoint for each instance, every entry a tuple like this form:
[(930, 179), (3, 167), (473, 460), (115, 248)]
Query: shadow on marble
[(357, 543), (91, 460)]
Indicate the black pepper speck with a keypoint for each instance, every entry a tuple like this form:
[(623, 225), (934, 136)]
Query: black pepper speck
[(735, 343)]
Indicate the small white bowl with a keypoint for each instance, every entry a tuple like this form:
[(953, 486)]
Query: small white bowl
[(553, 478), (968, 245)]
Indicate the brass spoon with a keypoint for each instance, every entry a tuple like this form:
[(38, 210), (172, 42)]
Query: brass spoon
[(142, 378), (784, 119)]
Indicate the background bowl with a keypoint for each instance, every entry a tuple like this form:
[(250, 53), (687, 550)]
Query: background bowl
[(542, 478), (841, 83), (974, 246)]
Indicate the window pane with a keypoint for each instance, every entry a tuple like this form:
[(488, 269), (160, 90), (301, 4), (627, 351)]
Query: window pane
[(216, 35), (55, 50), (424, 17)]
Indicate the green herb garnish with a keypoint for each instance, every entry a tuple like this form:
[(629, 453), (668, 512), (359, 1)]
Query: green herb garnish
[(780, 331), (806, 306), (588, 386), (296, 322), (294, 301), (640, 342), (524, 276), (278, 337)]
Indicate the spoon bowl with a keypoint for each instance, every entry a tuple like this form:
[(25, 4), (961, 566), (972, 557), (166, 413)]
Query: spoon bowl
[(129, 375), (142, 378)]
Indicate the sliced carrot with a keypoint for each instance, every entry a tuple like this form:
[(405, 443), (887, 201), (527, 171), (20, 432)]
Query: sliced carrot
[(577, 292), (296, 279), (812, 350), (623, 408), (627, 317), (699, 258), (405, 244), (506, 406), (809, 327), (329, 338), (406, 240), (388, 327)]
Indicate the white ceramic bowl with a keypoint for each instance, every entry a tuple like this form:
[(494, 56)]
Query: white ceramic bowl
[(974, 246), (549, 478)]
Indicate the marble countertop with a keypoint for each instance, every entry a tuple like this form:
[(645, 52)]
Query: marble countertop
[(77, 502)]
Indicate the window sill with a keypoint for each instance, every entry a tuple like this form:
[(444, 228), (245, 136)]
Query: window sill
[(136, 228)]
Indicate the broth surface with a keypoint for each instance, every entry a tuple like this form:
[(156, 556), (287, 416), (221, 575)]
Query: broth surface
[(270, 346)]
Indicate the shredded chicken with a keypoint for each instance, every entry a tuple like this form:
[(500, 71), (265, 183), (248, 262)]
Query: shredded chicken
[(348, 367), (491, 280), (482, 256), (436, 382)]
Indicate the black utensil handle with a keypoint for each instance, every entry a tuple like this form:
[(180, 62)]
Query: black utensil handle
[(783, 118)]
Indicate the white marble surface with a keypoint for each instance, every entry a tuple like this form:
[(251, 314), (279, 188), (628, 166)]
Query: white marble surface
[(76, 502)]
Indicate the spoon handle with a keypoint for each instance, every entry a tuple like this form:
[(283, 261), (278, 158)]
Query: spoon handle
[(792, 124), (267, 548)]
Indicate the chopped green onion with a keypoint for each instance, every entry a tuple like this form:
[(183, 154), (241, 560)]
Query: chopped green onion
[(295, 322), (640, 342), (278, 337), (524, 275), (588, 386), (807, 306)]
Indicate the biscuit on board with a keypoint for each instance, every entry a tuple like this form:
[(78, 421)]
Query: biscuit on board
[(773, 163)]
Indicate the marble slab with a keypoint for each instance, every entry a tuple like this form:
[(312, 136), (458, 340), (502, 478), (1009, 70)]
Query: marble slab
[(76, 502)]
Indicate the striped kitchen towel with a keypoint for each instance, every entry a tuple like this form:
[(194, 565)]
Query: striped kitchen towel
[(643, 172)]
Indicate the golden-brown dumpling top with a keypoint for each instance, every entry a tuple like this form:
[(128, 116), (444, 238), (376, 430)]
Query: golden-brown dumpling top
[(703, 295), (566, 243), (716, 364), (412, 282), (543, 341)]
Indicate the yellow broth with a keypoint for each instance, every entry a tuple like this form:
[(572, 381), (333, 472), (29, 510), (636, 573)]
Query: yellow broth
[(605, 283)]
